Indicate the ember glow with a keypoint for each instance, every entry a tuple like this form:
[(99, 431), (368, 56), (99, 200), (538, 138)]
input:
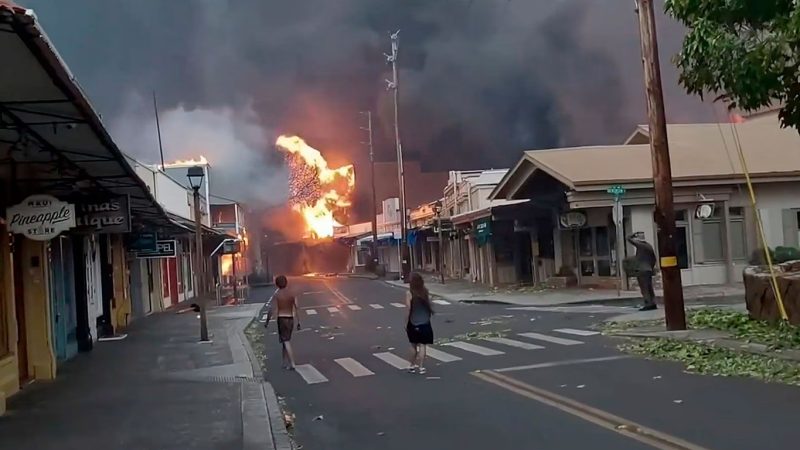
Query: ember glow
[(316, 191)]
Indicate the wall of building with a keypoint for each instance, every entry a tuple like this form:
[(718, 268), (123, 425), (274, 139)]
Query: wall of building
[(121, 316), (9, 372), (39, 339)]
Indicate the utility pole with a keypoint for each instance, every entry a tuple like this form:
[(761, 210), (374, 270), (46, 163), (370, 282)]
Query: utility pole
[(158, 129), (374, 247), (662, 174), (393, 85)]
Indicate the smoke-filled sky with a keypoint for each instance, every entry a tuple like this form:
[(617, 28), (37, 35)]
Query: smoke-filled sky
[(480, 80)]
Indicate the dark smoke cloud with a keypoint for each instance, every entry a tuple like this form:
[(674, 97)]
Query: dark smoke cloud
[(481, 80)]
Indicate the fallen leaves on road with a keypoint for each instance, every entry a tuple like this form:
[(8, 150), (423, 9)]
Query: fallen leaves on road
[(474, 335), (717, 361), (319, 418), (677, 401), (580, 386)]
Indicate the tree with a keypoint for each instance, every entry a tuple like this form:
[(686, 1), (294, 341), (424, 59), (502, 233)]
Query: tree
[(744, 51)]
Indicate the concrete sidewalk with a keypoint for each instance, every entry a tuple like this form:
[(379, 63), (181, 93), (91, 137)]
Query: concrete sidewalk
[(464, 291), (157, 389)]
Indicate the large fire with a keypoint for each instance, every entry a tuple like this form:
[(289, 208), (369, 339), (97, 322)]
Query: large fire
[(316, 191)]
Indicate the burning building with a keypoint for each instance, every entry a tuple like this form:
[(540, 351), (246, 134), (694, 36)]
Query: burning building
[(319, 193)]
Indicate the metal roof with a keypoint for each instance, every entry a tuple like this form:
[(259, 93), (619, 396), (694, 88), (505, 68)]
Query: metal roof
[(51, 139)]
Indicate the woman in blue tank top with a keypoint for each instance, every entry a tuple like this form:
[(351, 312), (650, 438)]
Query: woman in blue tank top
[(418, 322)]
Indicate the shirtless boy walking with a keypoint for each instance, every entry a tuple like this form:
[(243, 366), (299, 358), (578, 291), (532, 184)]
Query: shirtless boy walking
[(284, 307)]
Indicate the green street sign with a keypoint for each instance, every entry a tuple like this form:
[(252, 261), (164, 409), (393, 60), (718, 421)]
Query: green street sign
[(616, 190)]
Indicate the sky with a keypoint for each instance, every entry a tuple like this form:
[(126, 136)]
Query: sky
[(480, 80)]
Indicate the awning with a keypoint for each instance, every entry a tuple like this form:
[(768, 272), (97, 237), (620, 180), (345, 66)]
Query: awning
[(55, 141), (381, 237)]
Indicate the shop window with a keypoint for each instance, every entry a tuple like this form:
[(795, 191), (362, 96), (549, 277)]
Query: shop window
[(713, 238)]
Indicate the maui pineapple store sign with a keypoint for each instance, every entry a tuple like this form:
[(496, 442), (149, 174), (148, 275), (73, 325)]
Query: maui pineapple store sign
[(40, 217)]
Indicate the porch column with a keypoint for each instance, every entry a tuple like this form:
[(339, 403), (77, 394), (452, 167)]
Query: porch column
[(534, 255), (726, 236), (557, 248)]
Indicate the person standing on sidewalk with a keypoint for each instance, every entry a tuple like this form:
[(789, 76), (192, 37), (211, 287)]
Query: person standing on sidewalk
[(418, 322), (284, 308), (645, 260)]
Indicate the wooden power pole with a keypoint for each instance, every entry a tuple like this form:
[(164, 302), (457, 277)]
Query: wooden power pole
[(662, 173)]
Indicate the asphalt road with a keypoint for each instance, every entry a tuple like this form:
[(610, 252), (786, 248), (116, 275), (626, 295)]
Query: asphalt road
[(549, 382)]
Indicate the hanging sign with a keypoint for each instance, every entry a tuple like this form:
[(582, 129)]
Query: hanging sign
[(107, 216), (164, 249), (572, 219), (231, 247), (41, 217), (145, 242)]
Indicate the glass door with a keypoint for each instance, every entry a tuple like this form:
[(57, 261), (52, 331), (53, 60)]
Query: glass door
[(594, 252)]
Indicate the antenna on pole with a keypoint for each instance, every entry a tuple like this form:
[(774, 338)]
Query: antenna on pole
[(158, 129)]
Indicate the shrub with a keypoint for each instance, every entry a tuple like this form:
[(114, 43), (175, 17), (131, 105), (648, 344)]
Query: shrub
[(565, 271), (783, 254)]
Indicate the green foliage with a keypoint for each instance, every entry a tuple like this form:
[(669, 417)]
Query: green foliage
[(630, 266), (716, 361), (741, 326), (783, 254), (743, 50)]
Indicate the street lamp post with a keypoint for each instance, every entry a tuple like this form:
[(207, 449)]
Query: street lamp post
[(438, 209), (195, 175)]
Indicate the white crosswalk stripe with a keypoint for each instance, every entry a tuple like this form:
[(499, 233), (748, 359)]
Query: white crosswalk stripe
[(354, 307), (311, 312), (354, 367), (577, 332), (552, 339), (393, 360), (333, 309), (513, 343), (483, 351), (374, 306), (398, 305), (441, 302), (442, 356), (310, 374)]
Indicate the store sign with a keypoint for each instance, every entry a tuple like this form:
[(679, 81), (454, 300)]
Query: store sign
[(41, 217), (104, 217), (572, 219), (164, 249), (231, 247)]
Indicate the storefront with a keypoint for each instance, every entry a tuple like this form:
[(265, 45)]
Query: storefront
[(716, 226)]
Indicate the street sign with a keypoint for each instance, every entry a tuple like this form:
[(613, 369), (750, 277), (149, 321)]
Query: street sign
[(617, 191)]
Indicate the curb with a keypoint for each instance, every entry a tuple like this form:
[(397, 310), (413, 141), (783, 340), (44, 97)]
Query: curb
[(278, 436)]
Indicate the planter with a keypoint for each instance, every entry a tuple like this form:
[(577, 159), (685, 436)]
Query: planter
[(760, 299)]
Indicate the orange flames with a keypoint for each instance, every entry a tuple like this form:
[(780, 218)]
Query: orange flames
[(226, 263), (318, 191), (189, 162)]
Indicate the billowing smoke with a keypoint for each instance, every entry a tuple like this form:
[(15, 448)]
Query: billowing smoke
[(480, 80), (232, 140)]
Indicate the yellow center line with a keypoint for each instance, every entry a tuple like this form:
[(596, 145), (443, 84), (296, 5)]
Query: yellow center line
[(630, 429), (338, 294)]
